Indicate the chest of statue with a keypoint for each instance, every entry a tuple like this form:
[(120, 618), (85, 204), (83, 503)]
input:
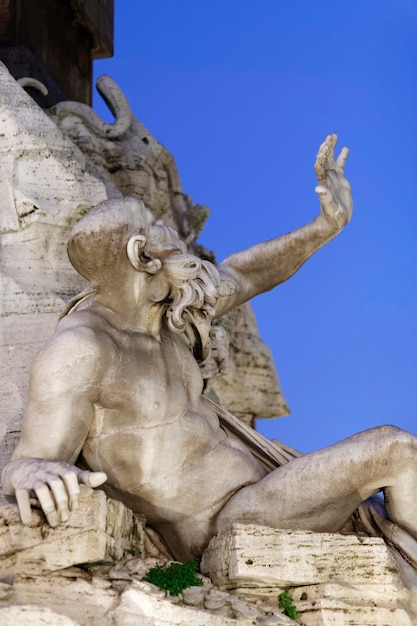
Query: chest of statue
[(148, 382), (149, 408)]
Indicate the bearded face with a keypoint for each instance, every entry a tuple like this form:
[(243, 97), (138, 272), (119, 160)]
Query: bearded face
[(186, 286), (193, 286)]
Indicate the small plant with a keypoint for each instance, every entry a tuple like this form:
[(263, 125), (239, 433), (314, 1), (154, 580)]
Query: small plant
[(175, 578), (285, 602)]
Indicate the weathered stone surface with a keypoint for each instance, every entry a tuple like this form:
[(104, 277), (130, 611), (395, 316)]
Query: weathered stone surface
[(30, 615), (44, 190), (114, 594), (154, 610), (101, 529), (257, 556), (135, 164), (119, 597), (78, 599), (333, 613), (334, 579), (250, 387), (367, 604), (387, 595), (93, 603)]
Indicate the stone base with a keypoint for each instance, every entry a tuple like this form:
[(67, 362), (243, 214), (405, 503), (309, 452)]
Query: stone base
[(101, 529), (27, 614), (333, 579), (84, 573)]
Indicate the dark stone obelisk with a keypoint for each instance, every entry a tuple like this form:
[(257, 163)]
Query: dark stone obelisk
[(56, 41)]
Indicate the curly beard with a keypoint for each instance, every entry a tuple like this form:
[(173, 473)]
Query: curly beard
[(194, 291), (189, 290)]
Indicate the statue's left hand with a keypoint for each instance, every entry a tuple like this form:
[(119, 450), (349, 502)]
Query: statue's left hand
[(55, 484), (333, 189)]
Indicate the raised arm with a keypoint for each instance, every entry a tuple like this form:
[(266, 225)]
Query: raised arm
[(266, 265), (62, 392)]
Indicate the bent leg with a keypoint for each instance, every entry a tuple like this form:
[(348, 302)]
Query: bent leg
[(319, 491)]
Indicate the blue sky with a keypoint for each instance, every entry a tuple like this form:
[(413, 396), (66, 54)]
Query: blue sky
[(242, 92)]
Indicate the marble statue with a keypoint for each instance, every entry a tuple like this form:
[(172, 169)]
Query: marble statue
[(116, 395), (130, 161)]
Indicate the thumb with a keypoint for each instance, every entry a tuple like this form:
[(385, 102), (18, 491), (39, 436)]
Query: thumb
[(324, 194), (92, 479)]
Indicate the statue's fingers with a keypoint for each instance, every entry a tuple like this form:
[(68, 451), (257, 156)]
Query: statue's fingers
[(320, 171), (321, 161), (332, 139), (92, 479), (342, 158), (23, 503), (70, 479), (327, 144), (47, 503), (59, 490), (325, 157)]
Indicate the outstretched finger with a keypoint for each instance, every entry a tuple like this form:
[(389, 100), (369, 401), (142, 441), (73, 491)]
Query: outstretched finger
[(332, 141), (321, 160), (23, 503), (325, 157), (342, 158), (92, 479)]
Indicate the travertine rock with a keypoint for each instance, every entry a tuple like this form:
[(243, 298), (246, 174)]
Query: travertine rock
[(30, 615), (154, 610), (101, 529), (250, 388), (258, 556), (44, 190), (337, 605), (76, 598), (93, 603), (131, 161), (334, 579)]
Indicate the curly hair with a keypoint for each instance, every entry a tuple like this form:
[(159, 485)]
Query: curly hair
[(98, 244)]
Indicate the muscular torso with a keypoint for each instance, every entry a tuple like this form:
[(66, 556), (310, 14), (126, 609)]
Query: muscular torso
[(159, 442)]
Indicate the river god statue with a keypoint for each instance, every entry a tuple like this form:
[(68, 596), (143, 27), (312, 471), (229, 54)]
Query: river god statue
[(118, 390)]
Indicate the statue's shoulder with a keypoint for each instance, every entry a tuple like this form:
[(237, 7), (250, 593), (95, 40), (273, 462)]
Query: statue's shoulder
[(73, 360), (77, 336)]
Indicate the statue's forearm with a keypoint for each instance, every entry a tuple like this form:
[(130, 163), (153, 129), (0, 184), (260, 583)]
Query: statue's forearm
[(265, 265)]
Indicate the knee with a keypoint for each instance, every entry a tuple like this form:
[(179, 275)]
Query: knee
[(395, 442)]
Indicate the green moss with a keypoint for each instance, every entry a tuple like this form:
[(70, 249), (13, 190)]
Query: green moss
[(285, 602), (175, 578)]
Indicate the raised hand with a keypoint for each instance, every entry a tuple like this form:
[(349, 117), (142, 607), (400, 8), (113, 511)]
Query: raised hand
[(333, 189), (55, 484)]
